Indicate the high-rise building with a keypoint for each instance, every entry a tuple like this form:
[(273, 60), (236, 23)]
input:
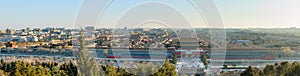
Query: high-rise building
[(89, 31)]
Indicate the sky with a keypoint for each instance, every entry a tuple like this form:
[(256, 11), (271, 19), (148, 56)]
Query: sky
[(16, 14)]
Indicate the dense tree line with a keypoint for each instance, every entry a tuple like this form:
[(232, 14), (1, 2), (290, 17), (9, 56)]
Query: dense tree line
[(20, 68), (282, 69)]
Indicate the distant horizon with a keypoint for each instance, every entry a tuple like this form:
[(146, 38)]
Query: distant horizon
[(160, 27), (235, 14)]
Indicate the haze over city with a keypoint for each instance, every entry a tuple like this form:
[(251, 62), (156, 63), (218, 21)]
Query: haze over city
[(149, 38), (16, 14)]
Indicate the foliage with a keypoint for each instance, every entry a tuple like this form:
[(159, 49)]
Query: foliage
[(167, 69), (282, 69), (287, 51), (174, 60), (87, 64), (203, 59), (225, 66), (249, 72), (19, 68)]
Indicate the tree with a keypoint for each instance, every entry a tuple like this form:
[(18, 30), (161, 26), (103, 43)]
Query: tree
[(225, 66), (20, 68), (287, 51), (27, 69), (222, 73), (269, 70), (261, 73), (234, 65), (68, 68), (145, 68), (41, 71), (174, 58), (167, 69), (3, 73), (110, 70), (87, 64), (2, 62), (295, 68), (7, 67), (283, 68), (203, 59), (57, 72), (142, 69), (17, 68), (249, 72)]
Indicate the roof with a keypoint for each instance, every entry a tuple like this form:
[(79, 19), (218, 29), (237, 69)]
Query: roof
[(188, 40)]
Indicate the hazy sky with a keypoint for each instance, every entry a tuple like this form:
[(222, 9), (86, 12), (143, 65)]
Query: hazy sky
[(235, 13)]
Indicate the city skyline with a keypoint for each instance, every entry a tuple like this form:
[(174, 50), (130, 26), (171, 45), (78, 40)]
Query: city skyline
[(236, 14), (149, 38)]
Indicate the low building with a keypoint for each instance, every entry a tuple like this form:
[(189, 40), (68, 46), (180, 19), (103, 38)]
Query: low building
[(11, 44), (32, 39)]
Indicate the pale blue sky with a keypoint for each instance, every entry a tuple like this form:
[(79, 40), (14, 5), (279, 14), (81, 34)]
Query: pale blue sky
[(37, 13), (235, 13)]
